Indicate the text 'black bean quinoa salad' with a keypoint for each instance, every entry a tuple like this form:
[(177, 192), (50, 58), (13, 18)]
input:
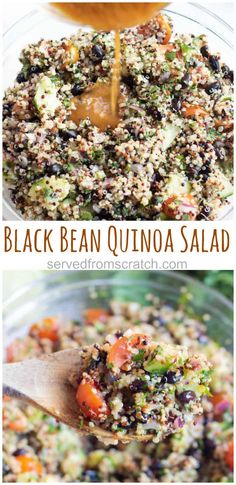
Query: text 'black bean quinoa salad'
[(169, 157), (37, 448), (132, 385)]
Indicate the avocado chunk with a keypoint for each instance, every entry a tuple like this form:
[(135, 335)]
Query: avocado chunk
[(45, 98), (170, 132), (228, 188), (177, 184), (164, 357), (49, 191)]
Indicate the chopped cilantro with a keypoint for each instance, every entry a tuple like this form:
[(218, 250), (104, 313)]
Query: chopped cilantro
[(139, 356), (170, 56)]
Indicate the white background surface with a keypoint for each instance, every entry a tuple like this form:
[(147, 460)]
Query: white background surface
[(13, 10)]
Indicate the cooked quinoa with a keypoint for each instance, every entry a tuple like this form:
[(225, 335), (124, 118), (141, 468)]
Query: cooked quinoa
[(170, 157), (132, 385), (37, 448)]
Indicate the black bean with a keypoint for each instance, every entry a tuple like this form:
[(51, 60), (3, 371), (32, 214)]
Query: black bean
[(173, 377), (110, 378), (186, 80), (163, 381), (209, 446), (204, 212), (155, 113), (68, 134), (227, 73), (5, 468), (21, 78), (187, 396), (55, 169), (6, 110), (129, 425), (77, 90), (231, 76), (214, 63), (157, 466), (91, 476), (156, 178), (128, 398), (138, 385), (19, 452), (119, 334), (176, 104), (163, 78), (97, 53), (132, 131), (128, 80), (220, 153), (144, 418), (119, 476), (195, 452), (35, 70), (105, 215), (205, 51), (213, 87)]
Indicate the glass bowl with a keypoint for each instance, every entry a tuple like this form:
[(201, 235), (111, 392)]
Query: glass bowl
[(187, 17), (69, 293)]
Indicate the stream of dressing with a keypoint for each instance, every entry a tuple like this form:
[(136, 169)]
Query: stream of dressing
[(100, 104)]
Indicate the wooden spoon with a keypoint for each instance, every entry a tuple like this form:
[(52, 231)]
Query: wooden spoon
[(44, 383)]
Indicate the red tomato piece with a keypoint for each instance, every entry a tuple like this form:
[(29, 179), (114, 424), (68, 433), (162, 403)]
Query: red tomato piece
[(29, 464), (229, 456), (221, 403), (10, 353), (178, 206), (120, 352), (94, 314), (91, 401), (46, 328)]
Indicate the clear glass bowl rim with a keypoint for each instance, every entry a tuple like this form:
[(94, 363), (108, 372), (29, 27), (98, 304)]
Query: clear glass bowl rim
[(53, 279)]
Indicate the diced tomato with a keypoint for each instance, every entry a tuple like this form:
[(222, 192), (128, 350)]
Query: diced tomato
[(19, 425), (221, 403), (46, 328), (229, 456), (120, 352), (193, 111), (227, 124), (90, 400), (164, 25), (10, 353), (139, 340), (94, 314), (29, 464), (178, 207)]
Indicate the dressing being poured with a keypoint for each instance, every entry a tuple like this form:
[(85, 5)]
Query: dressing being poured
[(100, 104)]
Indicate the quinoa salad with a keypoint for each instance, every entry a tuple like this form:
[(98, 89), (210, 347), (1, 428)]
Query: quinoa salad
[(169, 157), (132, 385), (37, 448)]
